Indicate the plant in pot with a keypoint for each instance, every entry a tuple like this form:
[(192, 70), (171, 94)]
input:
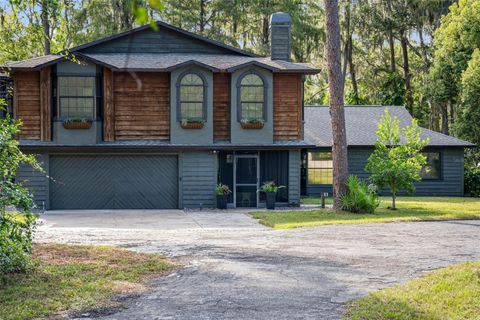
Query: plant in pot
[(222, 191), (192, 123), (77, 123), (270, 189), (252, 123)]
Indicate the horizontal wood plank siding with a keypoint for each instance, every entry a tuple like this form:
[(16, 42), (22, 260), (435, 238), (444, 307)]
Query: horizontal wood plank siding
[(221, 106), (141, 106), (36, 181), (45, 104), (287, 106), (27, 104)]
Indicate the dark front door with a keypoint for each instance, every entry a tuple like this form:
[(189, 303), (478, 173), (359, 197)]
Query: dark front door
[(246, 180)]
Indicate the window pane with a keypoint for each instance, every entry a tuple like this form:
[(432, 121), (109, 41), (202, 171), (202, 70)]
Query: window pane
[(432, 168), (320, 168), (191, 110), (191, 79), (252, 80), (77, 96)]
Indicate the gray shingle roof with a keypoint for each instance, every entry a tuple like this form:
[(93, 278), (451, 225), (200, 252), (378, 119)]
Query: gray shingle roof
[(167, 62), (361, 124)]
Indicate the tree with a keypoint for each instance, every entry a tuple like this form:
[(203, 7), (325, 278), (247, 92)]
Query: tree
[(337, 112), (397, 158), (15, 235)]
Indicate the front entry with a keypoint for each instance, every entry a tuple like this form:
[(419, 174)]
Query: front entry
[(246, 180)]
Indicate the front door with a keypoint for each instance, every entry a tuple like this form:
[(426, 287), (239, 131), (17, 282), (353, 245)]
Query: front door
[(246, 180)]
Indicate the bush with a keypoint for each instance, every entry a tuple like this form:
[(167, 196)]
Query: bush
[(472, 181), (16, 232), (360, 198)]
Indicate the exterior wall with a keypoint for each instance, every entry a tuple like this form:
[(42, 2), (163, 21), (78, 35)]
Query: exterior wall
[(287, 106), (191, 136), (77, 137), (81, 68), (294, 164), (26, 103), (221, 106), (142, 109), (198, 178), (35, 181), (162, 40), (264, 135), (450, 184)]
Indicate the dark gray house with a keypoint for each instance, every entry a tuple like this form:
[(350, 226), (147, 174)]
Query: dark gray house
[(156, 118), (444, 176)]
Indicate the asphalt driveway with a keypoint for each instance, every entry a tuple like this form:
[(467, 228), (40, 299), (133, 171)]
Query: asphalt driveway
[(237, 269)]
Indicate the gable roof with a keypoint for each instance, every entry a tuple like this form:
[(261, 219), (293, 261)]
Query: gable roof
[(361, 123), (167, 26)]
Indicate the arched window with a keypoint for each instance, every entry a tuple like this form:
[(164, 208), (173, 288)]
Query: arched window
[(251, 97), (191, 97)]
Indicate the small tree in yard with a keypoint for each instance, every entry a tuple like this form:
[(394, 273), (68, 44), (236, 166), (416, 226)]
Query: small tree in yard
[(397, 159), (16, 230)]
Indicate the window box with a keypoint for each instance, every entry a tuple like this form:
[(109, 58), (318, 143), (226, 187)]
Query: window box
[(77, 124), (252, 124), (192, 124)]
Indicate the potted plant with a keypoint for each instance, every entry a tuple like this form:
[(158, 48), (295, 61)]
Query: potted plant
[(222, 191), (252, 123), (192, 123), (77, 123), (270, 189)]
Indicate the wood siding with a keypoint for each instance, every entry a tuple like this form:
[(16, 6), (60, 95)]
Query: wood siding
[(142, 106), (26, 103), (46, 104), (108, 106), (287, 107), (221, 106)]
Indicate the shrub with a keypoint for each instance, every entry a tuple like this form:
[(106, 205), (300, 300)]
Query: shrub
[(472, 181), (360, 198)]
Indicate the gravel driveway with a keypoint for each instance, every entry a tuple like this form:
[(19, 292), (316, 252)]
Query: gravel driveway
[(246, 271)]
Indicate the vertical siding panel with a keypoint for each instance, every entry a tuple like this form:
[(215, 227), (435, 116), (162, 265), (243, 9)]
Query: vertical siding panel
[(45, 104), (108, 106), (35, 181), (294, 161), (221, 106), (198, 179), (27, 103), (287, 106)]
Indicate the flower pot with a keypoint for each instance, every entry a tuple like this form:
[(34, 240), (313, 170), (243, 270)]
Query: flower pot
[(77, 125), (255, 125), (222, 201), (192, 125), (270, 197)]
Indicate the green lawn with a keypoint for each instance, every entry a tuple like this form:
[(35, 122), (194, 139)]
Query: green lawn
[(409, 209), (448, 293), (74, 278)]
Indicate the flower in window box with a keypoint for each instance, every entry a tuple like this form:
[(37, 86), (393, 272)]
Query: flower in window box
[(192, 123), (252, 123), (77, 123)]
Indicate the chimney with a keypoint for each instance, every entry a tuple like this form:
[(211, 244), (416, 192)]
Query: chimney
[(280, 42)]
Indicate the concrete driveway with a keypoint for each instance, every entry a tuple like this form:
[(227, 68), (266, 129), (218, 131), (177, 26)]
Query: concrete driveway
[(237, 269)]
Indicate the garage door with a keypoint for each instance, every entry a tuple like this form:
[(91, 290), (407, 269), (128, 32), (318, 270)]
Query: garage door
[(113, 182)]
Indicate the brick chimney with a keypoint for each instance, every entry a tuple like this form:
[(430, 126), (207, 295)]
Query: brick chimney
[(280, 42)]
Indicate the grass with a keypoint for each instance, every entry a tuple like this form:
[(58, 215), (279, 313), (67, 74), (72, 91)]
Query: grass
[(447, 293), (69, 279), (409, 209)]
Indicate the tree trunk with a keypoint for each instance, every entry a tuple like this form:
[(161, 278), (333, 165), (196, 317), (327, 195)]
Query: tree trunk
[(444, 110), (337, 113), (391, 43), (394, 199), (202, 16), (46, 27), (351, 67), (407, 76)]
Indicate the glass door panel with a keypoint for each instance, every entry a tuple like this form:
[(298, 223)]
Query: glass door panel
[(246, 181)]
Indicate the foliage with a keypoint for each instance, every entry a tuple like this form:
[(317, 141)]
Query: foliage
[(77, 120), (395, 163), (447, 293), (270, 187), (192, 120), (252, 121), (472, 181), (360, 198), (70, 279), (392, 91), (222, 189), (408, 209), (15, 235)]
